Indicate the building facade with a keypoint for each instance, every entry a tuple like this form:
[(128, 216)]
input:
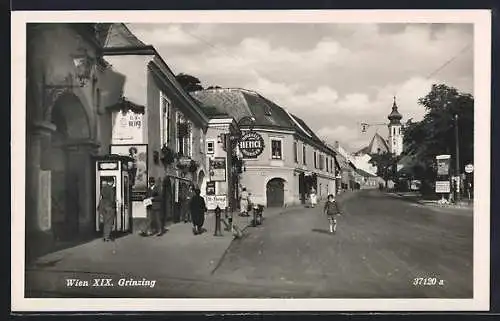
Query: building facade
[(221, 186), (68, 83), (282, 157), (155, 122)]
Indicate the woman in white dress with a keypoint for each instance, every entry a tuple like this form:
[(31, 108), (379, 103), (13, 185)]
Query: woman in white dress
[(312, 197), (244, 202)]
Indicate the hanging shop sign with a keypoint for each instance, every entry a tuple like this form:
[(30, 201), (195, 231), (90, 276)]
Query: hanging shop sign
[(443, 165), (469, 168), (251, 144), (218, 169)]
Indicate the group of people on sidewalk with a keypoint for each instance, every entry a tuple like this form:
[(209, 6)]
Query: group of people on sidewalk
[(193, 209)]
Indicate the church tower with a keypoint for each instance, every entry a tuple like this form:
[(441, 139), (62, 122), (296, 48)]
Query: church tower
[(395, 134)]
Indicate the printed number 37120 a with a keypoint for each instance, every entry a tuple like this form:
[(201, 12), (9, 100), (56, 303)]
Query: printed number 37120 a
[(427, 281)]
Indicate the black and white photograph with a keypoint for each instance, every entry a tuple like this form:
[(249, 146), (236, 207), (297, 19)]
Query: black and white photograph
[(196, 158)]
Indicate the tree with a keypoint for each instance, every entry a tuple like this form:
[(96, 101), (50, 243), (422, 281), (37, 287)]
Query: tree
[(386, 164), (188, 82), (435, 134)]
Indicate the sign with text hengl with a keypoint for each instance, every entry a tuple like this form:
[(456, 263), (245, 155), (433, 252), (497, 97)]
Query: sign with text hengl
[(251, 145), (218, 169), (443, 165)]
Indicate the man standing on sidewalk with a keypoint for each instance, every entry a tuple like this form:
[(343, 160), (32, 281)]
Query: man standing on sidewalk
[(198, 208), (154, 210)]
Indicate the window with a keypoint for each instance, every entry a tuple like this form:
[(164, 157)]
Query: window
[(184, 136), (276, 152), (210, 146), (202, 142), (164, 119), (321, 161), (315, 160), (304, 155), (331, 165), (295, 152), (327, 164)]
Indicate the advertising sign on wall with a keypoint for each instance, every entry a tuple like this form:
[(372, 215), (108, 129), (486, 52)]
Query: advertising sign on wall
[(443, 165), (218, 169), (251, 145), (443, 187), (210, 188), (127, 127), (138, 168), (213, 200)]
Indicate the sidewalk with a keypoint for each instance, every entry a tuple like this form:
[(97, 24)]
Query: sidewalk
[(417, 198), (177, 254)]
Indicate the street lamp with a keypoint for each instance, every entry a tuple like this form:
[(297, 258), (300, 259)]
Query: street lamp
[(83, 65), (457, 162)]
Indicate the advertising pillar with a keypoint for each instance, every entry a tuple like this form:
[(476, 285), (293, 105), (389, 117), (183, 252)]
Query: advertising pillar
[(443, 176)]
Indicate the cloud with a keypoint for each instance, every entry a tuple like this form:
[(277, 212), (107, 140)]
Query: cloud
[(167, 35), (334, 76)]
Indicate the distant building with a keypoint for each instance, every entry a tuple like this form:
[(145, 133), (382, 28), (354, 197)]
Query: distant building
[(345, 168), (394, 143), (282, 157), (395, 139)]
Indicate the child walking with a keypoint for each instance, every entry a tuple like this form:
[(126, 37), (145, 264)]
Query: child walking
[(331, 209)]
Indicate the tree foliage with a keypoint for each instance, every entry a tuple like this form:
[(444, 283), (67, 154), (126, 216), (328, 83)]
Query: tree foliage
[(435, 134), (386, 165), (188, 82)]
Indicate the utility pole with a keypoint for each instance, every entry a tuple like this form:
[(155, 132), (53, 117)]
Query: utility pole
[(457, 162)]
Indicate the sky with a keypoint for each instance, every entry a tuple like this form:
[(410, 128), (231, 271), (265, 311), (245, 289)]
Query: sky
[(333, 76)]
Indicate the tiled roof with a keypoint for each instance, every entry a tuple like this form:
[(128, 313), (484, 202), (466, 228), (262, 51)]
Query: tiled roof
[(239, 103), (118, 35), (342, 161), (377, 142), (364, 173)]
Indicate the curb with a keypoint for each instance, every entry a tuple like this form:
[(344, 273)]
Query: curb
[(431, 204)]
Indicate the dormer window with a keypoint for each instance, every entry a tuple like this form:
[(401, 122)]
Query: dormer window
[(268, 111)]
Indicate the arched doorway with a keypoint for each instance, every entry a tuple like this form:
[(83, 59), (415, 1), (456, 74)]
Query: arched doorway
[(67, 165), (275, 192)]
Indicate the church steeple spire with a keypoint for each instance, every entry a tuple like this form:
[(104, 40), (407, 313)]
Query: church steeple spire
[(394, 117)]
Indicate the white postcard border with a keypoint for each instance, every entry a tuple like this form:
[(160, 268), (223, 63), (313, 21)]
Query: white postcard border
[(482, 84)]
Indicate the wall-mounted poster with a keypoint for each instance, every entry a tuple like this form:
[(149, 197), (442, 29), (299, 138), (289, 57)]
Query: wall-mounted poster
[(218, 169), (443, 165), (138, 168), (127, 127)]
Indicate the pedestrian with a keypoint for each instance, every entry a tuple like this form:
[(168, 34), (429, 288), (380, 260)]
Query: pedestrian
[(331, 210), (154, 223), (313, 197), (107, 207), (244, 202), (186, 212), (198, 208)]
